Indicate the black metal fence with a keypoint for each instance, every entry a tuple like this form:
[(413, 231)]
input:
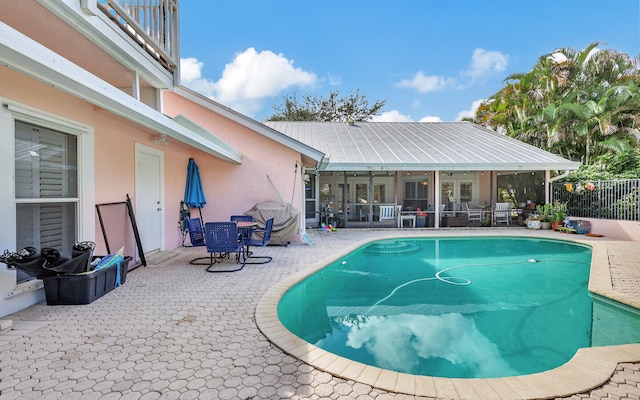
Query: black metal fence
[(615, 199)]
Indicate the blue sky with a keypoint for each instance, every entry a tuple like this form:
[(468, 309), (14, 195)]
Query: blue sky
[(430, 60)]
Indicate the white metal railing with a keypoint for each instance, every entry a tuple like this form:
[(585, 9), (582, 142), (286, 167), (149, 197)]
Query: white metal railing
[(151, 23), (610, 199)]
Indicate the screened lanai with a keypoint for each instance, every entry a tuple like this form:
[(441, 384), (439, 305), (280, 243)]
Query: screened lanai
[(422, 169)]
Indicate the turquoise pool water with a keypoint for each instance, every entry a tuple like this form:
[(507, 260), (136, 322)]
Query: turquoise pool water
[(475, 307)]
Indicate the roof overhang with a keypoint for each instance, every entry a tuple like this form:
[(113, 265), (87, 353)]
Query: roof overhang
[(418, 146), (329, 166), (27, 56), (312, 155)]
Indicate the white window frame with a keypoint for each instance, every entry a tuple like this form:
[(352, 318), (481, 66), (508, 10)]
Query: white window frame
[(416, 180), (12, 111), (457, 180)]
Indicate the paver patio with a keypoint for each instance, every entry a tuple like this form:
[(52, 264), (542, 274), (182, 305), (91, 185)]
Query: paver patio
[(173, 331)]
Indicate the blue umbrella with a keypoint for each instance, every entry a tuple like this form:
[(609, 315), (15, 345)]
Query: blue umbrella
[(193, 193)]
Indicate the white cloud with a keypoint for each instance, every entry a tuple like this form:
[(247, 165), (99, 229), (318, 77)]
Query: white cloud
[(247, 80), (404, 341), (334, 80), (391, 116), (429, 118), (423, 83), (190, 69), (469, 113), (484, 62)]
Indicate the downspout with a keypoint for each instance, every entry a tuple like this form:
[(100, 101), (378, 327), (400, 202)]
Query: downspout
[(549, 181)]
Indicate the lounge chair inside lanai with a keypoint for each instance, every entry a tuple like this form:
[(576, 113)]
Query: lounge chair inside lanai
[(502, 213)]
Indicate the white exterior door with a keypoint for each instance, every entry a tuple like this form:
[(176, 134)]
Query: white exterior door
[(150, 197)]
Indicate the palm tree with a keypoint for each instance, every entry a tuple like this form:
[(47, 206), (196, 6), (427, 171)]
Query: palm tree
[(578, 104)]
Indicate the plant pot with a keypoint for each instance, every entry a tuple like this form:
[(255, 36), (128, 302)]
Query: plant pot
[(555, 225), (533, 224), (545, 225)]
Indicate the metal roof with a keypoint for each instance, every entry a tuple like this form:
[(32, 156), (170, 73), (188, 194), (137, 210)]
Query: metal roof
[(418, 146)]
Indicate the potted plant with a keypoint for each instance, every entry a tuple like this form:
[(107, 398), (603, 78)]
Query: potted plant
[(545, 212), (558, 216)]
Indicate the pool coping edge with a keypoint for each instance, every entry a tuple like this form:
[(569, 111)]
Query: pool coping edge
[(589, 368)]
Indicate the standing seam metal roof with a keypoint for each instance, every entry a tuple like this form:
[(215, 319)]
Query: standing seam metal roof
[(412, 146)]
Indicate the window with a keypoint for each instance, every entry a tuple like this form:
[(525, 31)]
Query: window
[(46, 188), (310, 197), (379, 193), (362, 192), (416, 194), (466, 192), (341, 194), (457, 189)]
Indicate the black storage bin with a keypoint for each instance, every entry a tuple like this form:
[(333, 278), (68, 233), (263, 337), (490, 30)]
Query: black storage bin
[(84, 288)]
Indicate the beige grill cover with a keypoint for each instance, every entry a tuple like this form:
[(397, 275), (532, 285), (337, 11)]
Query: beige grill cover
[(286, 220)]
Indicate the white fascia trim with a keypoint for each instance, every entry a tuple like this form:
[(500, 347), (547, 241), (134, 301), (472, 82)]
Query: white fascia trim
[(249, 123), (193, 127), (26, 56), (106, 34), (344, 166)]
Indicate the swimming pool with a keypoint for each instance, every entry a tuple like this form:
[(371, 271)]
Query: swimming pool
[(456, 307)]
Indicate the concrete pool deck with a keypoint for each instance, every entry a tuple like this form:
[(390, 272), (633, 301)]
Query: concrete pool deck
[(173, 331)]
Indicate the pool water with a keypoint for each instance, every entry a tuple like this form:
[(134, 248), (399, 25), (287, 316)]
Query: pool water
[(476, 307)]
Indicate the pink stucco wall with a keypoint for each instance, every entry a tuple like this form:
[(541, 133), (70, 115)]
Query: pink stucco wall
[(230, 188), (235, 188), (614, 229)]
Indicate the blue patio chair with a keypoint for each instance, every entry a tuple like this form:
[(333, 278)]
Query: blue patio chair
[(196, 236), (222, 238), (266, 237), (246, 232)]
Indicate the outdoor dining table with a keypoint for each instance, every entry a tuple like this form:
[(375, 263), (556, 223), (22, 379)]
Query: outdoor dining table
[(246, 224), (245, 228)]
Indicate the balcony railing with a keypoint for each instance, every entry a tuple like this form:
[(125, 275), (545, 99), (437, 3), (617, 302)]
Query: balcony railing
[(151, 23)]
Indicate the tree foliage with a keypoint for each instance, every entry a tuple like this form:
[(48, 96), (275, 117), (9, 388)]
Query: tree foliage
[(335, 108), (578, 104)]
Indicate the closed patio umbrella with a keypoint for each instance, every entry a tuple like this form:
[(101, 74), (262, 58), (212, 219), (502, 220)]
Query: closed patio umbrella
[(193, 193)]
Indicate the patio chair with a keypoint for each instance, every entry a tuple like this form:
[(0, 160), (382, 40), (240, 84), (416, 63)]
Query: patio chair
[(196, 236), (222, 238), (502, 213), (473, 214), (387, 213), (266, 237), (246, 233), (364, 214)]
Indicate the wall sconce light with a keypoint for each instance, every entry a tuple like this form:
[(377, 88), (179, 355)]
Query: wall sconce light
[(162, 139)]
